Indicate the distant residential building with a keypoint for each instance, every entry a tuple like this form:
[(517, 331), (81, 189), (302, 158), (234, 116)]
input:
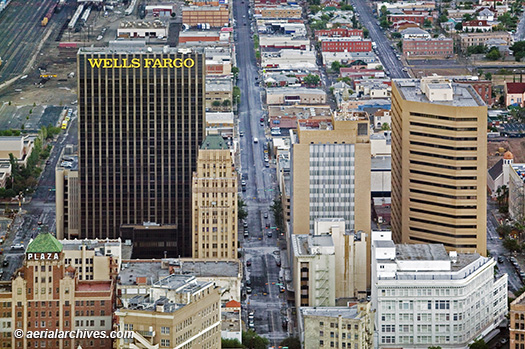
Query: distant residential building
[(485, 15), (382, 116), (183, 313), (338, 32), (337, 327), (498, 174), (423, 296), (415, 33), (284, 41), (346, 44), (214, 199), (430, 48), (215, 16), (517, 192), (515, 94), (517, 322), (476, 39), (289, 95), (408, 5), (476, 26)]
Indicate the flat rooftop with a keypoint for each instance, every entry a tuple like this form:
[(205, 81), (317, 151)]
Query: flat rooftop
[(433, 252), (463, 95), (345, 312), (381, 163), (126, 49)]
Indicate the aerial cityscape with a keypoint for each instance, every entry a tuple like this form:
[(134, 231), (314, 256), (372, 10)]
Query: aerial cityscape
[(262, 174)]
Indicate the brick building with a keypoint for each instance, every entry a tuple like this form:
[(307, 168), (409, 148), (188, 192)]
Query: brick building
[(280, 12), (215, 16), (419, 19), (349, 44), (438, 48), (339, 32), (47, 294), (517, 322)]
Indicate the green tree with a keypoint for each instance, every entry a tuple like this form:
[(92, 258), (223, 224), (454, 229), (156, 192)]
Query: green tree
[(479, 344), (427, 23), (511, 244), (277, 209), (216, 103), (396, 35), (384, 23), (493, 54), (252, 340), (243, 214), (291, 343), (346, 7), (336, 65), (488, 76), (459, 26), (235, 71), (230, 343), (256, 42), (385, 127), (518, 50), (312, 80), (467, 17), (504, 230), (443, 18), (226, 103), (434, 347), (236, 94), (314, 9), (366, 33)]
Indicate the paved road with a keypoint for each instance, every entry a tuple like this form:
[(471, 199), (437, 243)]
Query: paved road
[(495, 247), (385, 52), (265, 300)]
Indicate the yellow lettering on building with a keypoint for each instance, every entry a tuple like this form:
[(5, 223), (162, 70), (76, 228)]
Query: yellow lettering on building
[(136, 63)]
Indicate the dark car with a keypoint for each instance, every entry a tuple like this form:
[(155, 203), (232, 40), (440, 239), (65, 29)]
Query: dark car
[(5, 263), (501, 259), (248, 263)]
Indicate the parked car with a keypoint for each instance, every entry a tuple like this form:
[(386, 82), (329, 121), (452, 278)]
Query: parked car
[(248, 290), (265, 214), (501, 259), (269, 234), (248, 263)]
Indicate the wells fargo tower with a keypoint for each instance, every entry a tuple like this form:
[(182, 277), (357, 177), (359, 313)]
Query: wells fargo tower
[(439, 164), (141, 121)]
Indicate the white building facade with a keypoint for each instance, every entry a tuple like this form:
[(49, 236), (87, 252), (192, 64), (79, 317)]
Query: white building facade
[(424, 297)]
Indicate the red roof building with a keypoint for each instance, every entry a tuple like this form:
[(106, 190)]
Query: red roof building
[(515, 93)]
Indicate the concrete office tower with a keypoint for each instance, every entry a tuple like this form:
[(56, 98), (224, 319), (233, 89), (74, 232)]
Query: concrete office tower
[(215, 201), (331, 172), (439, 164), (67, 198), (141, 123)]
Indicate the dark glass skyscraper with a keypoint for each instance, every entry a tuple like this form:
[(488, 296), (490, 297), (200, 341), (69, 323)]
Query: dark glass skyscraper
[(141, 122)]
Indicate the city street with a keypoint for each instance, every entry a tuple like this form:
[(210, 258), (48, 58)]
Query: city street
[(385, 52), (265, 299)]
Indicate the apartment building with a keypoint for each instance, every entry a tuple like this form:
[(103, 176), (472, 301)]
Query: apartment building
[(424, 296), (349, 327), (215, 201), (439, 164), (183, 313)]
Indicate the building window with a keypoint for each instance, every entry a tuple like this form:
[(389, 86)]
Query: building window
[(164, 342)]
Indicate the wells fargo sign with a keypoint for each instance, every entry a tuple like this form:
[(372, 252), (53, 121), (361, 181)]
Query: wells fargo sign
[(137, 63)]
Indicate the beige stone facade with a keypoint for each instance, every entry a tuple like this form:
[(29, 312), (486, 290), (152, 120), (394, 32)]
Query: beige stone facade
[(215, 201), (475, 39), (439, 164), (67, 197), (349, 327), (215, 16), (517, 322), (188, 317)]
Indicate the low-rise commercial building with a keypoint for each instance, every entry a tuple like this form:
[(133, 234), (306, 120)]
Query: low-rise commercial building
[(284, 41), (215, 16), (346, 44), (281, 11), (20, 146), (338, 32), (142, 29), (288, 95), (219, 94), (424, 296), (431, 48), (337, 327)]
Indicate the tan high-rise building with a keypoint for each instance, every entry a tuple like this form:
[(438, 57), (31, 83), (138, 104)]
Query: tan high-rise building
[(214, 201), (331, 172), (439, 164)]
